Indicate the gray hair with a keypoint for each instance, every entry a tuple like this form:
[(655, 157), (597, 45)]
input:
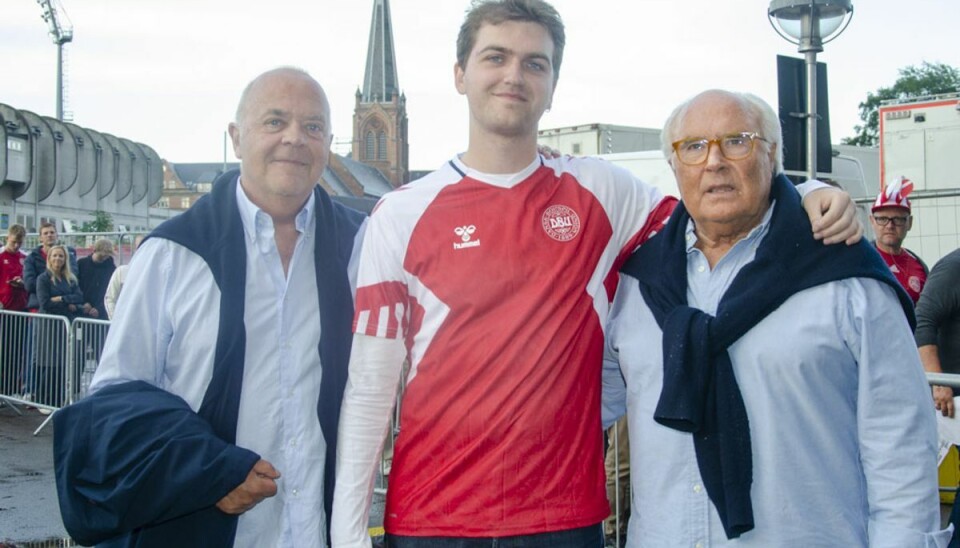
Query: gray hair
[(103, 246), (769, 123)]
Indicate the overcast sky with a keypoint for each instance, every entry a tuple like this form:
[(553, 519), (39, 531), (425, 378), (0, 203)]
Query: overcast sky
[(168, 73)]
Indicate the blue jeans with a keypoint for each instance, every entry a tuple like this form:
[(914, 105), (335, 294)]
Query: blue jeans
[(584, 537)]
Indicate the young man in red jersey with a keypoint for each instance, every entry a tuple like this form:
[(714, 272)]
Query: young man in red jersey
[(492, 275)]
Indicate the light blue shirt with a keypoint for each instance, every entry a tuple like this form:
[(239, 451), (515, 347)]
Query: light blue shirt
[(842, 430), (165, 333)]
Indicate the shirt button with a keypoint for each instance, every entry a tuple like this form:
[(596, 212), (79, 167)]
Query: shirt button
[(296, 492), (698, 545), (697, 488), (701, 268)]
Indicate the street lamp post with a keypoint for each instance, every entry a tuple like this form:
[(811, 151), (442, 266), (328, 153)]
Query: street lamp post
[(809, 24), (61, 31)]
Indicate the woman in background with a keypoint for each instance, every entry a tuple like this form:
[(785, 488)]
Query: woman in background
[(59, 294)]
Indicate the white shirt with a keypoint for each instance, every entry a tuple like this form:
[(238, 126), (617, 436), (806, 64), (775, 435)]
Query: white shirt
[(165, 333), (842, 431), (112, 294)]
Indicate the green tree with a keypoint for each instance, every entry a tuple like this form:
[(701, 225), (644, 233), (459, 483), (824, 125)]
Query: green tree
[(102, 222), (927, 79)]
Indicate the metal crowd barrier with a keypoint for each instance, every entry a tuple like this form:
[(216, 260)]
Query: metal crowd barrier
[(88, 337), (953, 381), (47, 361), (35, 361), (943, 379)]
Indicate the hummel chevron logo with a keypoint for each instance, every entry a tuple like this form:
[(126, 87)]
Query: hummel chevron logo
[(465, 233)]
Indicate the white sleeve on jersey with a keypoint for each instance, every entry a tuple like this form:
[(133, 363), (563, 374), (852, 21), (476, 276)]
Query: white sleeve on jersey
[(381, 298), (375, 365)]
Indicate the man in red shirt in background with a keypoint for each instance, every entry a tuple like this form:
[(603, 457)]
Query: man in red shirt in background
[(891, 220), (13, 296)]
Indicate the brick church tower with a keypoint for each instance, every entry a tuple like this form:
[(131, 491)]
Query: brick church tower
[(380, 114)]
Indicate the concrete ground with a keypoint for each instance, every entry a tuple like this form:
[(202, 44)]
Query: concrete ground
[(29, 512)]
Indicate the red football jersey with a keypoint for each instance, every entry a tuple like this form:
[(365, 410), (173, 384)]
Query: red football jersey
[(499, 286), (908, 270), (11, 266)]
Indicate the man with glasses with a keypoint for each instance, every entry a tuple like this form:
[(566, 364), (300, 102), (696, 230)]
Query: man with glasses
[(770, 382), (891, 220)]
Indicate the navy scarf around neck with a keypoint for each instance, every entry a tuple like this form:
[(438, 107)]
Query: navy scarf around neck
[(700, 394)]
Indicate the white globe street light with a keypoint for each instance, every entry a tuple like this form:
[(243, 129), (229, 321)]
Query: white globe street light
[(809, 24)]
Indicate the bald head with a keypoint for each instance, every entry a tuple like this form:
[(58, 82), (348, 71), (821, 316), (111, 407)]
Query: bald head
[(270, 76)]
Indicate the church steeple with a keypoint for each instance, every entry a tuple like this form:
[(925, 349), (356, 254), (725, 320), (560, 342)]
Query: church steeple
[(380, 114), (380, 77)]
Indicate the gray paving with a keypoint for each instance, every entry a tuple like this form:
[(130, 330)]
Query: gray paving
[(28, 498)]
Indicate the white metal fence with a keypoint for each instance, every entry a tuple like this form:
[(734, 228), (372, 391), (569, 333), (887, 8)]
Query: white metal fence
[(46, 361)]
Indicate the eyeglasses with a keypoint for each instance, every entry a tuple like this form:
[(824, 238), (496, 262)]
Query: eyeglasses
[(897, 221), (735, 146)]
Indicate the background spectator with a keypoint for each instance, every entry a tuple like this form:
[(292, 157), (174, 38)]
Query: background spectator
[(94, 274), (938, 339), (938, 326), (58, 293), (36, 264), (116, 282), (13, 296), (891, 220)]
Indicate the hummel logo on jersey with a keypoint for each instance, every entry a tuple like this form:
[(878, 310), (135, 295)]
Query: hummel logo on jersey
[(465, 232), (560, 223)]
